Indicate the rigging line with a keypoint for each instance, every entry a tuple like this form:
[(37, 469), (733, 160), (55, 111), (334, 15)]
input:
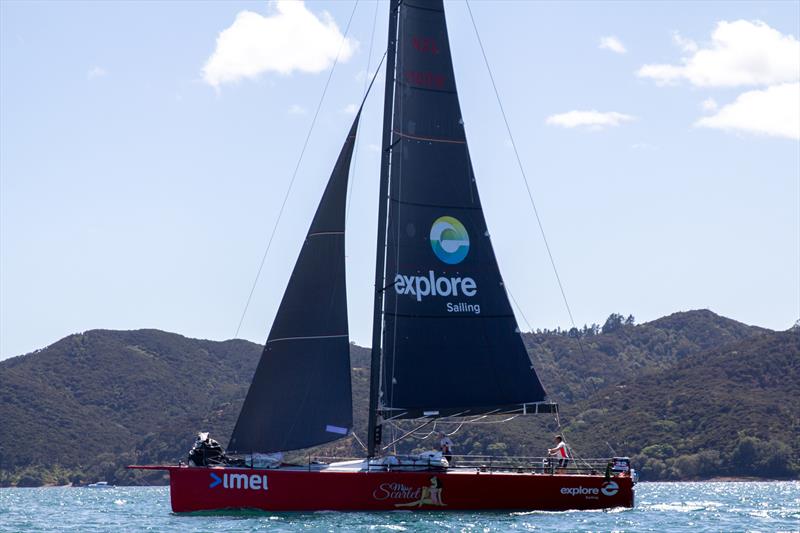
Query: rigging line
[(455, 430), (478, 422), (521, 312), (574, 456), (294, 174), (522, 171), (358, 441), (393, 443), (358, 137), (413, 435)]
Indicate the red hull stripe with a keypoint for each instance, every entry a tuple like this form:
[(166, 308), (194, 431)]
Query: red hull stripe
[(205, 489)]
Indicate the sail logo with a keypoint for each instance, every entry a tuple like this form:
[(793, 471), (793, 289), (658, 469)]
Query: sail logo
[(239, 481), (449, 240), (430, 285)]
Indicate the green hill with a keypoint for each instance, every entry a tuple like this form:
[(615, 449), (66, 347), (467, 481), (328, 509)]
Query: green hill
[(731, 410), (94, 401), (84, 407), (574, 365)]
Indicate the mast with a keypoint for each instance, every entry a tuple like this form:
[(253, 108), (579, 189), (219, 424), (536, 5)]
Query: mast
[(373, 429)]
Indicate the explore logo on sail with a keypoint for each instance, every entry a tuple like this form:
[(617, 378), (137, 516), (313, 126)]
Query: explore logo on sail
[(421, 286), (430, 285), (449, 240), (450, 244)]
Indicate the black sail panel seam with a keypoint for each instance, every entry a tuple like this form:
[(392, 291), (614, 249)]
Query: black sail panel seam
[(306, 338), (457, 315), (425, 89), (428, 139), (437, 206), (323, 233), (407, 5)]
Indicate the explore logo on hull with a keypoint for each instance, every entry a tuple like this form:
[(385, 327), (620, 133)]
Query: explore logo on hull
[(609, 488), (239, 481)]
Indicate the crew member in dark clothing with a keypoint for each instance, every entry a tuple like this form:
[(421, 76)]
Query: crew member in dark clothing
[(446, 446)]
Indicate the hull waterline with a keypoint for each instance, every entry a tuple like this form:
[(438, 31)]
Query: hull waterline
[(220, 488)]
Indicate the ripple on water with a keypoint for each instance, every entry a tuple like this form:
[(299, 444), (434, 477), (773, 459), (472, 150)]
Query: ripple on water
[(660, 507)]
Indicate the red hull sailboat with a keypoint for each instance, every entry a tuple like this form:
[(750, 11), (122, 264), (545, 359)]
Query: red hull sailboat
[(297, 489), (445, 348)]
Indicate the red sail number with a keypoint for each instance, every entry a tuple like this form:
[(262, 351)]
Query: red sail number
[(425, 79), (425, 45)]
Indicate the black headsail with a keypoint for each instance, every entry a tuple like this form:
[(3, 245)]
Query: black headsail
[(450, 343), (300, 395)]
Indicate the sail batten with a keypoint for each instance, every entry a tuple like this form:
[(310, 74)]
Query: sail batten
[(450, 339), (301, 394)]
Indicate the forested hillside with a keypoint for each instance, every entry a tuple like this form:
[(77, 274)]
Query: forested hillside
[(689, 395), (730, 410)]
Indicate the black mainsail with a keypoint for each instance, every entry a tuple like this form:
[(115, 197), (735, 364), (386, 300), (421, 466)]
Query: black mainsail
[(300, 395), (450, 340)]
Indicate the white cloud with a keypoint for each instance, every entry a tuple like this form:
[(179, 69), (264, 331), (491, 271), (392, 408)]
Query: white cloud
[(589, 119), (350, 109), (96, 72), (288, 39), (374, 147), (709, 104), (612, 43), (295, 109), (774, 111), (686, 45), (741, 53)]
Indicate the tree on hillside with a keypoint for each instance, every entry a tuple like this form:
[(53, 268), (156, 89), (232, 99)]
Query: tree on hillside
[(613, 322)]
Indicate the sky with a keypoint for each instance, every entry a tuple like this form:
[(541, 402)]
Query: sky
[(146, 149)]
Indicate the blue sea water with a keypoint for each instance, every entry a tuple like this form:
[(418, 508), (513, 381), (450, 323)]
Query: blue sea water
[(662, 507)]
